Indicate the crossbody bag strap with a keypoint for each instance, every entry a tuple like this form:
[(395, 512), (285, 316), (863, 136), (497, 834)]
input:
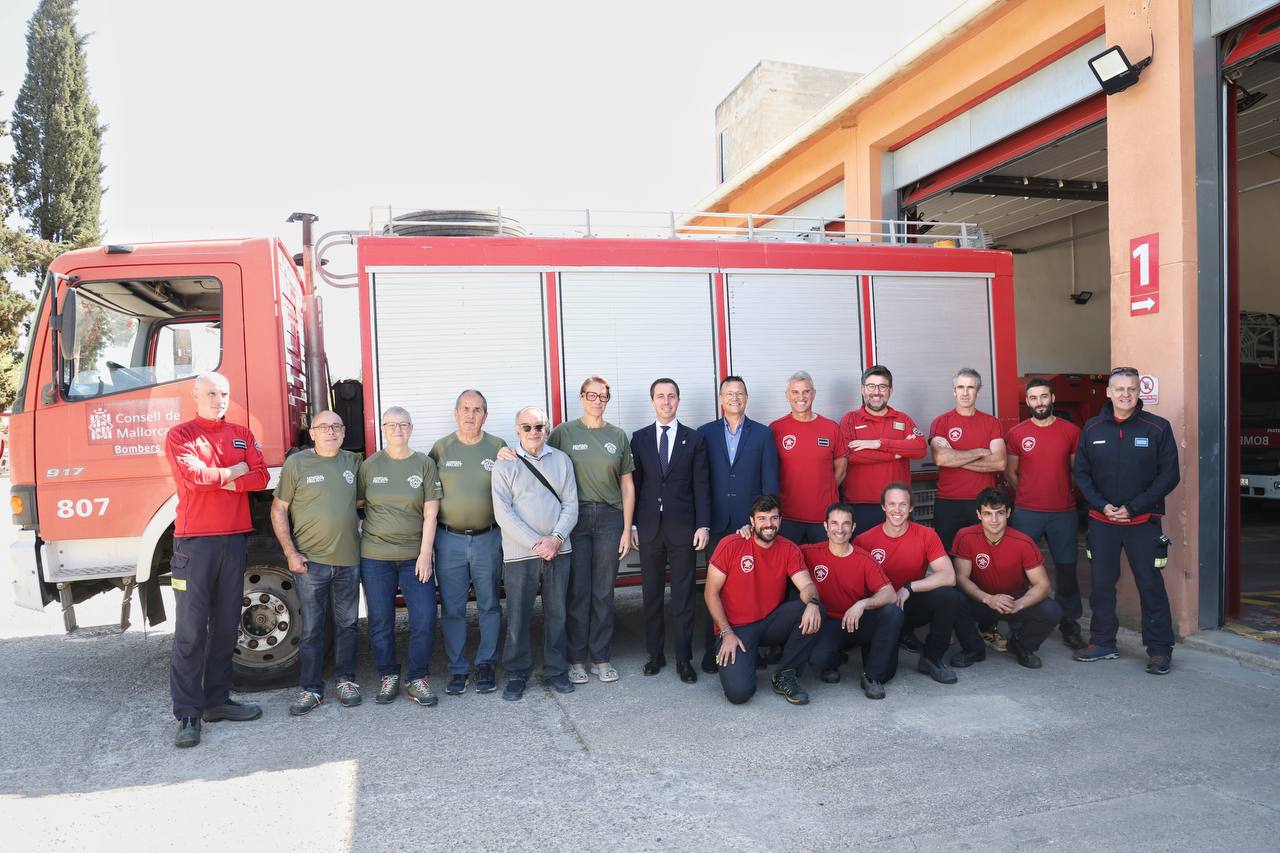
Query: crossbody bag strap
[(541, 479)]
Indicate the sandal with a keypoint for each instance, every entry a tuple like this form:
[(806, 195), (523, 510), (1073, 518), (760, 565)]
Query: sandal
[(578, 674), (605, 672)]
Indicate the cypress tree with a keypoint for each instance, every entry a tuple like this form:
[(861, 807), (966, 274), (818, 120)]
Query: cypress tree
[(57, 166)]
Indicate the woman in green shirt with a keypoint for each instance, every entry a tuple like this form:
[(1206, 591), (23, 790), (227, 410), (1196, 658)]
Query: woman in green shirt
[(602, 467), (401, 491)]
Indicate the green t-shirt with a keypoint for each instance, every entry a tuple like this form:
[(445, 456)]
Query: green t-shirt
[(600, 457), (394, 492), (321, 493), (465, 475)]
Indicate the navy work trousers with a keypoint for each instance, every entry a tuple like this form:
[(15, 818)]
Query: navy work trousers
[(208, 585), (1139, 543), (877, 636), (779, 628)]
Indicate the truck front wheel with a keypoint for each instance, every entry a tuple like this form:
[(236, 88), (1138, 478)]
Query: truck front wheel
[(270, 630)]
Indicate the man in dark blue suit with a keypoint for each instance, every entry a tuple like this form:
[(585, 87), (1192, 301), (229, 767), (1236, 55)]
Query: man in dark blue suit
[(672, 521), (743, 458)]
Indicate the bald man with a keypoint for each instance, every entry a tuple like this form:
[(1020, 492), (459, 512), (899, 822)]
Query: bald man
[(215, 465)]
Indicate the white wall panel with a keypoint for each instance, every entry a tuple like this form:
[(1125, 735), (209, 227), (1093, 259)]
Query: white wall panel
[(632, 328), (925, 330), (781, 323), (437, 333)]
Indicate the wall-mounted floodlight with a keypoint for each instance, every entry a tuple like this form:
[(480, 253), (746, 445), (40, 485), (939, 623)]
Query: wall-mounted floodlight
[(1114, 71)]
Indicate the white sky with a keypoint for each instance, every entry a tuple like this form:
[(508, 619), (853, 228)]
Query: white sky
[(225, 117)]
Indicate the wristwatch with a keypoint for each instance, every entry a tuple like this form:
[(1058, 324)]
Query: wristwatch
[(907, 587)]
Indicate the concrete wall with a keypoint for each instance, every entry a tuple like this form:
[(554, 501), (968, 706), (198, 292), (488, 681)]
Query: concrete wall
[(1054, 334), (771, 101), (1260, 235)]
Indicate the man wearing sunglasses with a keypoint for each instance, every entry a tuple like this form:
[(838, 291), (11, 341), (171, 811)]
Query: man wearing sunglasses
[(1126, 465), (535, 500)]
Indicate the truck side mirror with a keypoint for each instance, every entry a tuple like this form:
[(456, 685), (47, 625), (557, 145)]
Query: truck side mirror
[(67, 325)]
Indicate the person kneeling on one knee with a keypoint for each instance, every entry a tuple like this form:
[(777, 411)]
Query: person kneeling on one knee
[(746, 588), (1001, 571), (859, 602)]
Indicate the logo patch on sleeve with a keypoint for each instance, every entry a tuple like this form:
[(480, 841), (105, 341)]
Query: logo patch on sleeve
[(899, 425), (824, 442), (240, 443), (1141, 441)]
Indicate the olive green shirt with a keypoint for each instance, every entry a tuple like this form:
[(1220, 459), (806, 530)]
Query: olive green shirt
[(600, 457), (465, 474), (394, 492), (321, 494)]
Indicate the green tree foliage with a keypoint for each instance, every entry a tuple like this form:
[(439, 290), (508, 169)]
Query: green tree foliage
[(57, 165)]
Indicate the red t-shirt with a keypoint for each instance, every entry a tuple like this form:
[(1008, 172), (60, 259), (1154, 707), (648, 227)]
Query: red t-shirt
[(196, 451), (1000, 568), (842, 581), (871, 470), (1044, 469), (964, 433), (807, 451), (905, 558), (755, 577)]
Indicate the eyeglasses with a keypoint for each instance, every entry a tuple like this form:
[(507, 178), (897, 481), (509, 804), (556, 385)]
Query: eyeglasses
[(332, 429), (1125, 371), (397, 426), (532, 427), (594, 396), (733, 395), (877, 386)]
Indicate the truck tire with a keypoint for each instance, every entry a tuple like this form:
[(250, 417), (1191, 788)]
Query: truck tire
[(270, 630)]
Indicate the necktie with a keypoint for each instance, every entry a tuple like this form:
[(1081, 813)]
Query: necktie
[(663, 449)]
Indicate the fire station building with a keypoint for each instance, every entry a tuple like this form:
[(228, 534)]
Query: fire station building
[(1139, 191)]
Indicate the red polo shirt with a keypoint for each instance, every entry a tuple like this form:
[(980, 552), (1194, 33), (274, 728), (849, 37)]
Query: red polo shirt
[(964, 432), (1044, 464), (755, 577), (807, 451), (1000, 568), (842, 581), (906, 557)]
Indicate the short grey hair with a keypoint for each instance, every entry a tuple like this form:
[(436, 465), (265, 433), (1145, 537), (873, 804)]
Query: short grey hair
[(969, 372), (398, 410), (458, 403), (800, 376), (524, 409)]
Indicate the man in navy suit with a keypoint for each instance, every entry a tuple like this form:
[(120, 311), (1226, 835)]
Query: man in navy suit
[(672, 521), (743, 458)]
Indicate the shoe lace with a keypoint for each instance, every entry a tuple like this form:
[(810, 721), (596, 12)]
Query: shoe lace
[(389, 682), (420, 685), (347, 689), (308, 696)]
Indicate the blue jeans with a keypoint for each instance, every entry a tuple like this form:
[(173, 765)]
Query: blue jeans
[(381, 578), (593, 569), (323, 589), (464, 561), (522, 579)]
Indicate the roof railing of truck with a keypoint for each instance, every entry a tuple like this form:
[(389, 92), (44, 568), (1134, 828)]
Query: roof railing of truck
[(389, 220)]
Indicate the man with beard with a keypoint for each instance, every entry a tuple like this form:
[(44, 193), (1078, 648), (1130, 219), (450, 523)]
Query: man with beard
[(1042, 453), (968, 448), (746, 588), (859, 603), (917, 565), (881, 443)]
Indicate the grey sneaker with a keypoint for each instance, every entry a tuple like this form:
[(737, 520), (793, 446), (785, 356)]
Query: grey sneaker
[(349, 694), (305, 702), (937, 670), (388, 690), (419, 690)]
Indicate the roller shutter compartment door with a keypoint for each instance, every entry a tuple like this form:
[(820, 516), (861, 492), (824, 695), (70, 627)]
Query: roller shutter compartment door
[(633, 327), (438, 333), (927, 328), (782, 323)]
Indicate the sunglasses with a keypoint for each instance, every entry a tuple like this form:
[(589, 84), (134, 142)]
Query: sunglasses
[(1125, 371), (532, 427)]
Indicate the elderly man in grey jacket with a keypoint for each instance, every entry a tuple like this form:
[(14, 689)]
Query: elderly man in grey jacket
[(535, 502)]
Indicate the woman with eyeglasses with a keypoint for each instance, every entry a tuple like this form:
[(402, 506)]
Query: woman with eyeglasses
[(602, 467), (401, 491)]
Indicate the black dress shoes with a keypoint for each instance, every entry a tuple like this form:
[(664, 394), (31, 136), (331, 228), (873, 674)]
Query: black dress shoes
[(687, 673), (654, 664)]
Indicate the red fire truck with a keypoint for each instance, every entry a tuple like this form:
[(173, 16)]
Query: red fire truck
[(120, 332)]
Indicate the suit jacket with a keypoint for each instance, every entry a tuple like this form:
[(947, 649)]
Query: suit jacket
[(683, 498), (754, 471)]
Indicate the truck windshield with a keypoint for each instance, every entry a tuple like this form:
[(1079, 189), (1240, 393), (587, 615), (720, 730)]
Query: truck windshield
[(133, 334)]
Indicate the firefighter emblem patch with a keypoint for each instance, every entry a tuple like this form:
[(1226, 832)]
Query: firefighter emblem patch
[(878, 555), (982, 561), (349, 476), (954, 433), (487, 464), (820, 573), (610, 447), (788, 442), (1028, 444), (748, 563), (414, 481)]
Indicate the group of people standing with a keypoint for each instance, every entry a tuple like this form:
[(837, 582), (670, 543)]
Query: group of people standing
[(805, 504)]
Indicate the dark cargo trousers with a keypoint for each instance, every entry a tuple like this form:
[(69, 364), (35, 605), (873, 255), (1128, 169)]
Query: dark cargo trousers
[(1140, 543), (208, 585)]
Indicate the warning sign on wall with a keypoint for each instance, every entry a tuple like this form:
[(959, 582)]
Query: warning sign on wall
[(1148, 389)]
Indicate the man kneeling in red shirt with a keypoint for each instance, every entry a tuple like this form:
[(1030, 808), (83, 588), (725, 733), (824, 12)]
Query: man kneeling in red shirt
[(1002, 573), (746, 585), (860, 604)]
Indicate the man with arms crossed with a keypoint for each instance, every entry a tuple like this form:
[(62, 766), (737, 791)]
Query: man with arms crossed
[(1002, 573), (1042, 454), (812, 463), (968, 448), (881, 443)]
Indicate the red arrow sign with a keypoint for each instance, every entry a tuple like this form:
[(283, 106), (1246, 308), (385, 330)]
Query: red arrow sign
[(1148, 304)]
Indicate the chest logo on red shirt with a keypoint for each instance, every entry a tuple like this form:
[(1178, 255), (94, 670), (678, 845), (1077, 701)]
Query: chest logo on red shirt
[(788, 442), (820, 573), (954, 433), (878, 555), (747, 563), (982, 560), (1028, 444)]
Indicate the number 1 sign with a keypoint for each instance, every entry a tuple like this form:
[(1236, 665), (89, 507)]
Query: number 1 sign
[(1144, 275)]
